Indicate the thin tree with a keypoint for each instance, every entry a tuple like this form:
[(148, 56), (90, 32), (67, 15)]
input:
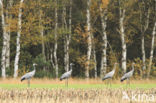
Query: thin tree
[(152, 50), (89, 39), (56, 37), (4, 48), (122, 35), (16, 64), (103, 18), (144, 20)]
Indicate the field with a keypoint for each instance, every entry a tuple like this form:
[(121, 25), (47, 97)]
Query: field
[(78, 91)]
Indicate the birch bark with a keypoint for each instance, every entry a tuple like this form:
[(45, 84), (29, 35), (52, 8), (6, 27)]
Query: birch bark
[(4, 48), (16, 64), (152, 50), (103, 18), (122, 34), (89, 40), (55, 37), (8, 16)]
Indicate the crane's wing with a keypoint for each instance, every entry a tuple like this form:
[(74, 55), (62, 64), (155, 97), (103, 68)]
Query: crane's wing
[(109, 75), (65, 75), (27, 75), (126, 76)]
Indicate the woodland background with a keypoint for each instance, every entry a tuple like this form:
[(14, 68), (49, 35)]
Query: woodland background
[(92, 34)]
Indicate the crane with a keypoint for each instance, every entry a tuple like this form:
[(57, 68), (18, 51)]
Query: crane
[(110, 74), (128, 75), (29, 75), (67, 74)]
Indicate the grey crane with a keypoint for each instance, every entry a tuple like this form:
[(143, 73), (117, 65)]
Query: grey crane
[(128, 75), (29, 75), (110, 74), (67, 74)]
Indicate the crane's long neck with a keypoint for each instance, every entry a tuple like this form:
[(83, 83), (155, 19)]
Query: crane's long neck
[(132, 67), (34, 68), (71, 68), (114, 67)]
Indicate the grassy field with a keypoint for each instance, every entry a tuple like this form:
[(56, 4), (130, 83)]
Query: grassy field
[(76, 84), (79, 91)]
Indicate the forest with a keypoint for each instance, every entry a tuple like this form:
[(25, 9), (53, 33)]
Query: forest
[(91, 34)]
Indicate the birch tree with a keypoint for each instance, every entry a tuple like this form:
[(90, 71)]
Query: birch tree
[(103, 18), (8, 16), (144, 20), (89, 40), (152, 50), (65, 38), (42, 36), (67, 34), (122, 35), (4, 48), (55, 37), (16, 64)]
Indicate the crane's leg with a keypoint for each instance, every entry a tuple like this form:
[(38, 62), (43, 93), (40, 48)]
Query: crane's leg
[(67, 82), (129, 82), (28, 82), (111, 82), (126, 83)]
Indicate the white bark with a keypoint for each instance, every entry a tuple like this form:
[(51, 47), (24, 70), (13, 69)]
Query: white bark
[(55, 37), (104, 44), (95, 62), (65, 38), (4, 48), (68, 37), (152, 49), (18, 40), (42, 36), (122, 34), (8, 36), (143, 30), (89, 40)]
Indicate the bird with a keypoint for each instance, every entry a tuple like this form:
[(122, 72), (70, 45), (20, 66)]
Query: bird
[(128, 75), (110, 74), (67, 74), (29, 75)]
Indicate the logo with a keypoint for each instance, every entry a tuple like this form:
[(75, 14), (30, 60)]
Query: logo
[(138, 97)]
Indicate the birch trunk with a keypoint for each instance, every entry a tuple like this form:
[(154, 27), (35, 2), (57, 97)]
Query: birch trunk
[(18, 40), (42, 36), (4, 48), (104, 45), (9, 16), (89, 41), (95, 62), (144, 27), (152, 50), (122, 34), (55, 37), (65, 40)]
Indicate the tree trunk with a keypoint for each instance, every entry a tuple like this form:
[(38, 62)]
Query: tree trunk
[(55, 37), (104, 44), (18, 40), (42, 36), (66, 48), (122, 34), (9, 16), (144, 27), (95, 62), (4, 48), (89, 41), (152, 49)]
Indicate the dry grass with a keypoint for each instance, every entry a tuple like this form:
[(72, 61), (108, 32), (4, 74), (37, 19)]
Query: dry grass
[(71, 96), (58, 95), (73, 81)]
